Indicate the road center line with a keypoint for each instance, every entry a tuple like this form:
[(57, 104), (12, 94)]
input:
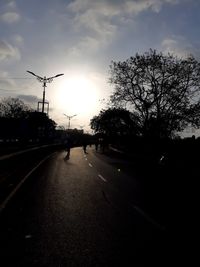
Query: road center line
[(102, 178)]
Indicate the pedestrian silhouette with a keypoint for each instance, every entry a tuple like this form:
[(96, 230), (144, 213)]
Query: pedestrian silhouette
[(84, 147), (68, 148), (96, 145)]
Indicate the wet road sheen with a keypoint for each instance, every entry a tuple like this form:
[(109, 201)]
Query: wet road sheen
[(78, 212)]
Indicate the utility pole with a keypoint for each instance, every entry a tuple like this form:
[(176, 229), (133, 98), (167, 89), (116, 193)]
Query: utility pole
[(69, 117), (44, 80)]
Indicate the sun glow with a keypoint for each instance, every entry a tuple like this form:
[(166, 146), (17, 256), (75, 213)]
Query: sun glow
[(77, 95)]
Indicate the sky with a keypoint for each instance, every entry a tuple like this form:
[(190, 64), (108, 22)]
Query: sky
[(80, 38)]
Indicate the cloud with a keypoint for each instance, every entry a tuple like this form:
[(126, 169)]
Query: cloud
[(7, 51), (10, 17), (101, 20), (180, 47), (85, 44), (18, 39), (96, 22), (170, 45), (6, 83), (29, 99), (11, 4), (117, 7), (136, 7)]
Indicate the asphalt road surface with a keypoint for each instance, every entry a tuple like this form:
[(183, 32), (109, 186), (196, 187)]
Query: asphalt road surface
[(84, 211)]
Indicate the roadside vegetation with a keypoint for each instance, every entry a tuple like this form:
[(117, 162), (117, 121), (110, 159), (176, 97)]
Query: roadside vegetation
[(23, 127), (156, 96)]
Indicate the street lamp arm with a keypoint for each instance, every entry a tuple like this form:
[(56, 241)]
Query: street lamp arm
[(69, 116), (65, 115), (34, 74), (47, 79), (59, 75), (55, 76)]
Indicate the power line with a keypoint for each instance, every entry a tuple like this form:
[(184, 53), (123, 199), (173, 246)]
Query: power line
[(14, 90), (15, 78)]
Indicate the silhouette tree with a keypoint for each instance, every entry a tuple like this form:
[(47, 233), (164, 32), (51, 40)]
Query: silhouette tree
[(19, 122), (115, 121), (162, 90), (39, 125), (13, 108)]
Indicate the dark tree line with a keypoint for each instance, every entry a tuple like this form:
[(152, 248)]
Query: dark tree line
[(115, 121), (20, 123), (115, 125)]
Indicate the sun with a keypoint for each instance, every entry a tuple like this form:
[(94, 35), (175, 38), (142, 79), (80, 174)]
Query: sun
[(78, 95)]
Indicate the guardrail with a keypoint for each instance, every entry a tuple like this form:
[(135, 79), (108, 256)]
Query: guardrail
[(15, 166), (29, 150)]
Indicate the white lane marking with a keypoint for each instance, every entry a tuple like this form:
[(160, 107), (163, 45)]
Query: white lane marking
[(5, 202), (85, 158), (102, 178), (90, 165), (148, 218)]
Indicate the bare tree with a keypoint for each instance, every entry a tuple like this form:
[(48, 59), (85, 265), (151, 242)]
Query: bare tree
[(163, 90)]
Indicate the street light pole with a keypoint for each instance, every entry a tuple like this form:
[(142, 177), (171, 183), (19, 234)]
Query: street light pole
[(69, 117), (44, 80)]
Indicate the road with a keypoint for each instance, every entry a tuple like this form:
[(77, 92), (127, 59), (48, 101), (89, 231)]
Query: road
[(84, 211)]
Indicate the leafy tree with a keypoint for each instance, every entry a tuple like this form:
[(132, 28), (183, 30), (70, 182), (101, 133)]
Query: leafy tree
[(114, 122), (13, 108), (163, 90)]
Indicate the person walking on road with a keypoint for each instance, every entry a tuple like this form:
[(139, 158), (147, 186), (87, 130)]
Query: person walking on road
[(85, 147), (96, 145), (68, 148)]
